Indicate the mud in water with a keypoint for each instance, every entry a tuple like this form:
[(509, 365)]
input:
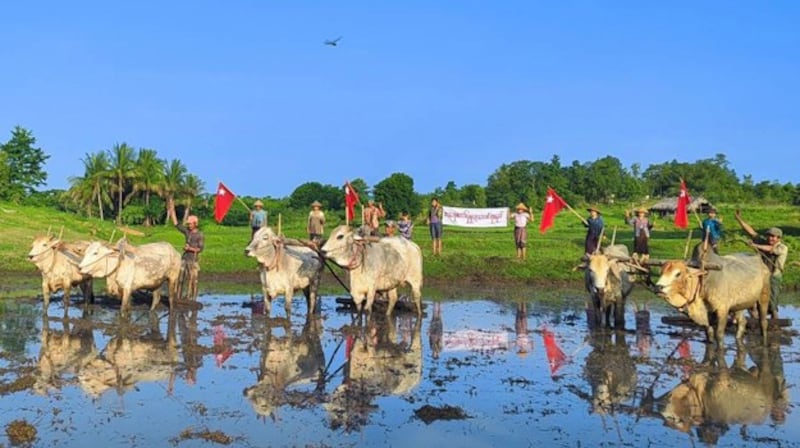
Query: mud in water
[(513, 368)]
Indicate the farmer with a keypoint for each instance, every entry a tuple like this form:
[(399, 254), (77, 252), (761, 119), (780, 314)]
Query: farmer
[(434, 221), (641, 234), (373, 215), (316, 223), (774, 252), (521, 218), (405, 226), (258, 217), (195, 241), (712, 229), (594, 228), (391, 226)]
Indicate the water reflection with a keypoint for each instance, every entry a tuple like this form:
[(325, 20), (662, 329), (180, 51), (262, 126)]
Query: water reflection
[(610, 370), (286, 362), (135, 353), (715, 396), (379, 363), (63, 352)]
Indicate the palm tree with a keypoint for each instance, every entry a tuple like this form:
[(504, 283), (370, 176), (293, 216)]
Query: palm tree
[(123, 170), (94, 184), (191, 188), (174, 177), (149, 179)]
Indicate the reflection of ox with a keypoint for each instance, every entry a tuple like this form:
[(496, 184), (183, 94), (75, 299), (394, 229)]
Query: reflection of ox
[(376, 266), (288, 362), (58, 262), (130, 358), (128, 268), (740, 284), (609, 284), (610, 370), (285, 268), (63, 352), (712, 399), (379, 365)]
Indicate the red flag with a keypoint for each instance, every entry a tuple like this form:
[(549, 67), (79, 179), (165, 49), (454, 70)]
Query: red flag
[(682, 210), (350, 200), (552, 205), (555, 356), (223, 202)]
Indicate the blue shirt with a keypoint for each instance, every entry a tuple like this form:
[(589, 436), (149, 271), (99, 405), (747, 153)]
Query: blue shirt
[(595, 227), (713, 228), (259, 218)]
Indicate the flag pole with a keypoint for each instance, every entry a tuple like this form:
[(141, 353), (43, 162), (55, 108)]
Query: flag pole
[(583, 220), (279, 224), (243, 203)]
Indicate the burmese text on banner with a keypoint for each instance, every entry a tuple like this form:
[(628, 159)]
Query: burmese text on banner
[(475, 217)]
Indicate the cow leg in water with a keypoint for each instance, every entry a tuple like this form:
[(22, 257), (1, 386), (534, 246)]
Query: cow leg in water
[(619, 314), (416, 294), (45, 293), (392, 294), (287, 302), (763, 308), (722, 322), (67, 292), (741, 324), (267, 303), (370, 300), (126, 301), (310, 294), (156, 298), (87, 289)]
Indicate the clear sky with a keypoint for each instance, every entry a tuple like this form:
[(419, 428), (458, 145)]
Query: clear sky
[(247, 93)]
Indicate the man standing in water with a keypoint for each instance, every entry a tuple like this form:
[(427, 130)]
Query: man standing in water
[(190, 261), (773, 252)]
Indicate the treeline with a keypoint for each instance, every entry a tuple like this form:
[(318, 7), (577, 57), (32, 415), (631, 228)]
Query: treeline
[(135, 186)]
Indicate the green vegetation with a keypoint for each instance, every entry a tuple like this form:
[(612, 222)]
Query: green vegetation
[(468, 255)]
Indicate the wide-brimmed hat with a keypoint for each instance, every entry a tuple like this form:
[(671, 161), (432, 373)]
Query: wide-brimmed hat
[(775, 232), (640, 210), (316, 204), (521, 206), (593, 208), (258, 203)]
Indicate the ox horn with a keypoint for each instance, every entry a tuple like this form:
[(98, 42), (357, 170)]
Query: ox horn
[(614, 235), (49, 229), (61, 232), (600, 240), (111, 238)]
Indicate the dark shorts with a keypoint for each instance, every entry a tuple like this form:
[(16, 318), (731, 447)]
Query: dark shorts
[(641, 245), (521, 237), (436, 230)]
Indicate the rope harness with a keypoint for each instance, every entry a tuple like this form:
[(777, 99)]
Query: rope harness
[(357, 258)]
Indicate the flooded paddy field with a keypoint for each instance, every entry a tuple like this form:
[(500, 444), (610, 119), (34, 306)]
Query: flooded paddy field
[(469, 373)]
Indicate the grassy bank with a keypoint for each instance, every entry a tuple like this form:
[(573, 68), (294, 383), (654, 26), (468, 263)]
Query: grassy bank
[(485, 255)]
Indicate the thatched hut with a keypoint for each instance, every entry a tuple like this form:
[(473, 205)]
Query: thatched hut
[(667, 206)]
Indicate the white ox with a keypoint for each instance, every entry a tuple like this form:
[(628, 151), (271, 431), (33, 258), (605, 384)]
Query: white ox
[(376, 266), (58, 262), (285, 268), (128, 268), (609, 285), (740, 284)]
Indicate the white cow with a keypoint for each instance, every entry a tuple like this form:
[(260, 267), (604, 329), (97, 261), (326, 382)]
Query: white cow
[(128, 268), (58, 262), (376, 266), (285, 268)]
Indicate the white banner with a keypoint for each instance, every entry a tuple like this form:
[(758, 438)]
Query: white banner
[(475, 217)]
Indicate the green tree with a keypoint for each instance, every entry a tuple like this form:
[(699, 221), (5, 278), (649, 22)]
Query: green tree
[(5, 175), (149, 179), (174, 176), (94, 186), (24, 165), (396, 192), (305, 194), (473, 195), (123, 171), (510, 184), (192, 188)]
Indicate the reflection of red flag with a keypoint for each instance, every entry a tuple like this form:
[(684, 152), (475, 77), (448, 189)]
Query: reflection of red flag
[(223, 202), (682, 210), (685, 351), (350, 200), (219, 343), (555, 356), (553, 204)]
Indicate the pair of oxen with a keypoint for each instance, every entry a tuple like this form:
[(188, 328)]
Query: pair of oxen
[(706, 288), (376, 266), (126, 268)]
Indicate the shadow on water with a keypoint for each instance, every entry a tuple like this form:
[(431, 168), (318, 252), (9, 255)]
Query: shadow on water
[(466, 373)]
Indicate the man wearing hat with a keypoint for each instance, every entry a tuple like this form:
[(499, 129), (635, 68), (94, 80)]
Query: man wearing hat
[(316, 223), (774, 252), (641, 233), (258, 217), (521, 218), (712, 229), (195, 242), (372, 216), (594, 228)]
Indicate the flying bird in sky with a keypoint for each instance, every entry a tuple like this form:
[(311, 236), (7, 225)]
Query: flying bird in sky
[(333, 42)]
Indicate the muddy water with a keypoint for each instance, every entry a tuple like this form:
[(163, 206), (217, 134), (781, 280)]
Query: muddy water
[(469, 373)]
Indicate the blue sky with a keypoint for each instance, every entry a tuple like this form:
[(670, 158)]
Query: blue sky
[(247, 93)]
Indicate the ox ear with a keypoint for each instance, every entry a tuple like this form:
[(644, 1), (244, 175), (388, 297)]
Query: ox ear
[(616, 271)]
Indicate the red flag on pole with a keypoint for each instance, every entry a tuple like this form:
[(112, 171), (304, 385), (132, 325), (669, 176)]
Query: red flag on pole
[(682, 210), (223, 201), (350, 200), (552, 205)]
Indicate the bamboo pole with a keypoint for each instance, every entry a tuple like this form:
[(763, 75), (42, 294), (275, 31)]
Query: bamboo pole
[(243, 203), (111, 238), (614, 235), (686, 248), (61, 232), (279, 223)]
